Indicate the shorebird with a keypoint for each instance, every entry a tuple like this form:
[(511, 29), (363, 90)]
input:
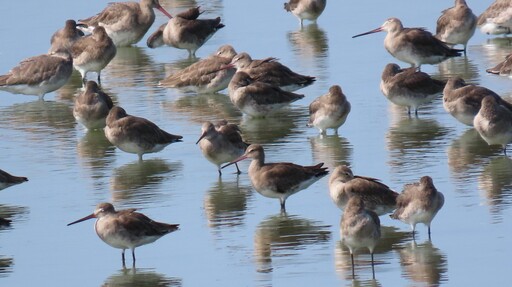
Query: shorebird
[(409, 87), (497, 18), (205, 76), (221, 143), (92, 106), (258, 99), (306, 9), (360, 228), (126, 229), (494, 123), (415, 46), (279, 180), (92, 53), (132, 134), (39, 75), (419, 202), (456, 25), (64, 38), (463, 100), (7, 180), (329, 111), (377, 197), (185, 31), (504, 68), (125, 22), (270, 71)]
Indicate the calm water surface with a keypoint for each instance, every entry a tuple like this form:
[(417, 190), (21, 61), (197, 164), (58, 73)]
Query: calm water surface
[(230, 235)]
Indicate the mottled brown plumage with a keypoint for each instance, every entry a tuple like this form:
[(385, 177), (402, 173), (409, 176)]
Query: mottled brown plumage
[(377, 197), (409, 87), (419, 202), (504, 68), (205, 76), (306, 9), (92, 106), (270, 71), (456, 25), (329, 111), (64, 38), (126, 229), (463, 101), (497, 18), (125, 22), (279, 180), (136, 135), (494, 123)]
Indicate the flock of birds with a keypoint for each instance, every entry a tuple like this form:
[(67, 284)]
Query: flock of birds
[(258, 88)]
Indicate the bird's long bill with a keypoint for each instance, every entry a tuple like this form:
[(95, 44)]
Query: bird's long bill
[(369, 32), (234, 161), (200, 138), (163, 11), (83, 219)]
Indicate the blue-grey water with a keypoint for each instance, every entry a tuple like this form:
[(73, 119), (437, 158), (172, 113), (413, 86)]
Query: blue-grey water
[(230, 235)]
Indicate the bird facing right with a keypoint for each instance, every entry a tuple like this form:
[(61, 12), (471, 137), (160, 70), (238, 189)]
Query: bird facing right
[(7, 179), (329, 111), (494, 123), (419, 202), (360, 228), (136, 135)]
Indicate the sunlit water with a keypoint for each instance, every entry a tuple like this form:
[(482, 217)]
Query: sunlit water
[(230, 235)]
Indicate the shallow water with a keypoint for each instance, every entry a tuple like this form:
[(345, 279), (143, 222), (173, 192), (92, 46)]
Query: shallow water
[(230, 235)]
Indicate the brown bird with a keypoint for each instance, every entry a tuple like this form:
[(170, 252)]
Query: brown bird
[(456, 25), (64, 38), (125, 22), (409, 87), (419, 202), (270, 71), (205, 76), (415, 46), (126, 229), (494, 123), (136, 135), (185, 32), (377, 197), (359, 228), (504, 68), (7, 180), (306, 9), (258, 99), (463, 101), (329, 111), (279, 180), (92, 53), (221, 143), (497, 18), (39, 75), (92, 106)]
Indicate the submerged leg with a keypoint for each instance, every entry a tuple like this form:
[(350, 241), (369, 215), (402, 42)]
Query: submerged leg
[(352, 259), (373, 268), (237, 169)]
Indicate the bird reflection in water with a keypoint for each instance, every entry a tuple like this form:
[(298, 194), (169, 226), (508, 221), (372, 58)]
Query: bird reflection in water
[(423, 263), (95, 150), (410, 139), (136, 182), (35, 116), (496, 182), (311, 47), (459, 67), (466, 155), (6, 264), (332, 150), (279, 125), (281, 236), (141, 277), (225, 203), (390, 237), (197, 107)]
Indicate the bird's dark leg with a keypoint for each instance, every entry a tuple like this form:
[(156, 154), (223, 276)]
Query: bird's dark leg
[(353, 272), (99, 79), (283, 207), (237, 169), (373, 268), (429, 233), (220, 172), (122, 257), (133, 256)]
